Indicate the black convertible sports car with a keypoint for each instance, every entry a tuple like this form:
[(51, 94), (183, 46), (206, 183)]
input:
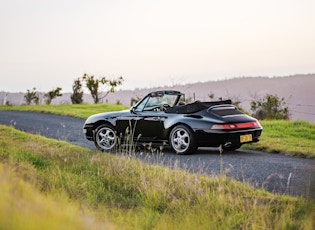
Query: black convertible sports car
[(162, 118)]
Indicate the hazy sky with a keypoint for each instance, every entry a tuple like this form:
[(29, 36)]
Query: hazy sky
[(45, 44)]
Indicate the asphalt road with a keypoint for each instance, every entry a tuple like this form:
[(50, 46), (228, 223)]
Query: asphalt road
[(277, 173)]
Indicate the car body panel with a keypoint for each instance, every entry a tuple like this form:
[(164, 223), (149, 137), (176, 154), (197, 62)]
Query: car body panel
[(153, 118)]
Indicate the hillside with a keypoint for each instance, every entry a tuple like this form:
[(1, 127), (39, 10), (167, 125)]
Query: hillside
[(298, 91)]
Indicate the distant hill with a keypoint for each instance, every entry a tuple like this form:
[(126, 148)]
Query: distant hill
[(298, 91)]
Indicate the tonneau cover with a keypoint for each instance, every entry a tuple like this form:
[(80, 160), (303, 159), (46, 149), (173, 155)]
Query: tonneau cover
[(195, 106)]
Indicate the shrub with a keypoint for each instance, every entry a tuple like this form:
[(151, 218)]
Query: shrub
[(77, 96), (31, 96), (270, 107)]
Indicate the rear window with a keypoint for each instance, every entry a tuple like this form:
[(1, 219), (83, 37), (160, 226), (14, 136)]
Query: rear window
[(225, 111)]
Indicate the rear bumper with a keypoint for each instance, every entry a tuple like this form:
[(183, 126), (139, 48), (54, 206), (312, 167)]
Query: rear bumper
[(233, 138)]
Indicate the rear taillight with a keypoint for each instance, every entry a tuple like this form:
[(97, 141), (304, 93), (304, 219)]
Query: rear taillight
[(246, 125)]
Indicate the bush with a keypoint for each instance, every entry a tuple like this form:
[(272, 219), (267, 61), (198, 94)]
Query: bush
[(31, 96), (271, 107)]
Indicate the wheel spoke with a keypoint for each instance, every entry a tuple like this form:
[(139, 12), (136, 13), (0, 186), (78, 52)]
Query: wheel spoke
[(181, 140), (106, 138)]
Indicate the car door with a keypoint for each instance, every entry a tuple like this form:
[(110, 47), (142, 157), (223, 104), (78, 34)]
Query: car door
[(150, 125), (143, 126)]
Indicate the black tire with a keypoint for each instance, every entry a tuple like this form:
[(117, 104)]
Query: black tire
[(182, 140), (105, 138)]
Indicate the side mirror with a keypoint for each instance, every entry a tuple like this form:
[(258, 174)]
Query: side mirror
[(133, 110)]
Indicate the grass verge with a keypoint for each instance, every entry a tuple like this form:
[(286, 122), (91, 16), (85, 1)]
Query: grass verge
[(127, 193), (80, 111), (296, 138)]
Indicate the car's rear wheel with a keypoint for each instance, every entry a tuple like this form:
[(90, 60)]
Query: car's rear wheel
[(105, 138), (182, 140)]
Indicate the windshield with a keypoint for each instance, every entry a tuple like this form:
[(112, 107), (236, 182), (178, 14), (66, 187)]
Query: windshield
[(158, 99)]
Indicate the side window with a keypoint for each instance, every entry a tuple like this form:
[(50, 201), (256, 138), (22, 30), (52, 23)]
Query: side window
[(140, 107), (154, 101)]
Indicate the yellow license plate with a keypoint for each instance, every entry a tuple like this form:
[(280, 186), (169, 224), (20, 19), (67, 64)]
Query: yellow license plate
[(246, 138)]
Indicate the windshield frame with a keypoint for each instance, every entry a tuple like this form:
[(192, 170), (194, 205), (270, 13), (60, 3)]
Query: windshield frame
[(157, 99)]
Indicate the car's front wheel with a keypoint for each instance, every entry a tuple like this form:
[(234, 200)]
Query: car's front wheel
[(105, 138), (182, 140)]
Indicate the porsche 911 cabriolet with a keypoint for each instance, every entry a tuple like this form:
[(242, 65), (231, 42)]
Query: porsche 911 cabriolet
[(162, 118)]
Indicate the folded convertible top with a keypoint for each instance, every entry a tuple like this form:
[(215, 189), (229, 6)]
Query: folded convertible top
[(195, 106)]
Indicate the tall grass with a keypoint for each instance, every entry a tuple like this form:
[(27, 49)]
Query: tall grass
[(133, 195), (23, 206)]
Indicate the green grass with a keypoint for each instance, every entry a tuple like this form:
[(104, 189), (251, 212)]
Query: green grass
[(296, 138), (48, 184), (81, 110), (279, 136)]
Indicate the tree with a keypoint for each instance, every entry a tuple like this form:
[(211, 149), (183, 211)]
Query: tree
[(270, 107), (93, 84), (52, 94), (77, 96), (31, 96)]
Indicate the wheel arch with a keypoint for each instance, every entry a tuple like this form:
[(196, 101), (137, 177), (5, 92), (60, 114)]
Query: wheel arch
[(102, 122), (192, 123), (169, 130)]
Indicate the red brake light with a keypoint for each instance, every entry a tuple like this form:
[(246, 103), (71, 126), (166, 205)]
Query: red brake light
[(245, 125)]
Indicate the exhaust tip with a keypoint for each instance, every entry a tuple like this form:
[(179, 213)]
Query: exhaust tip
[(227, 144)]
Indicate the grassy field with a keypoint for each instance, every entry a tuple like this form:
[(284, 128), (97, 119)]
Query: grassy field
[(295, 138), (48, 184), (290, 137)]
